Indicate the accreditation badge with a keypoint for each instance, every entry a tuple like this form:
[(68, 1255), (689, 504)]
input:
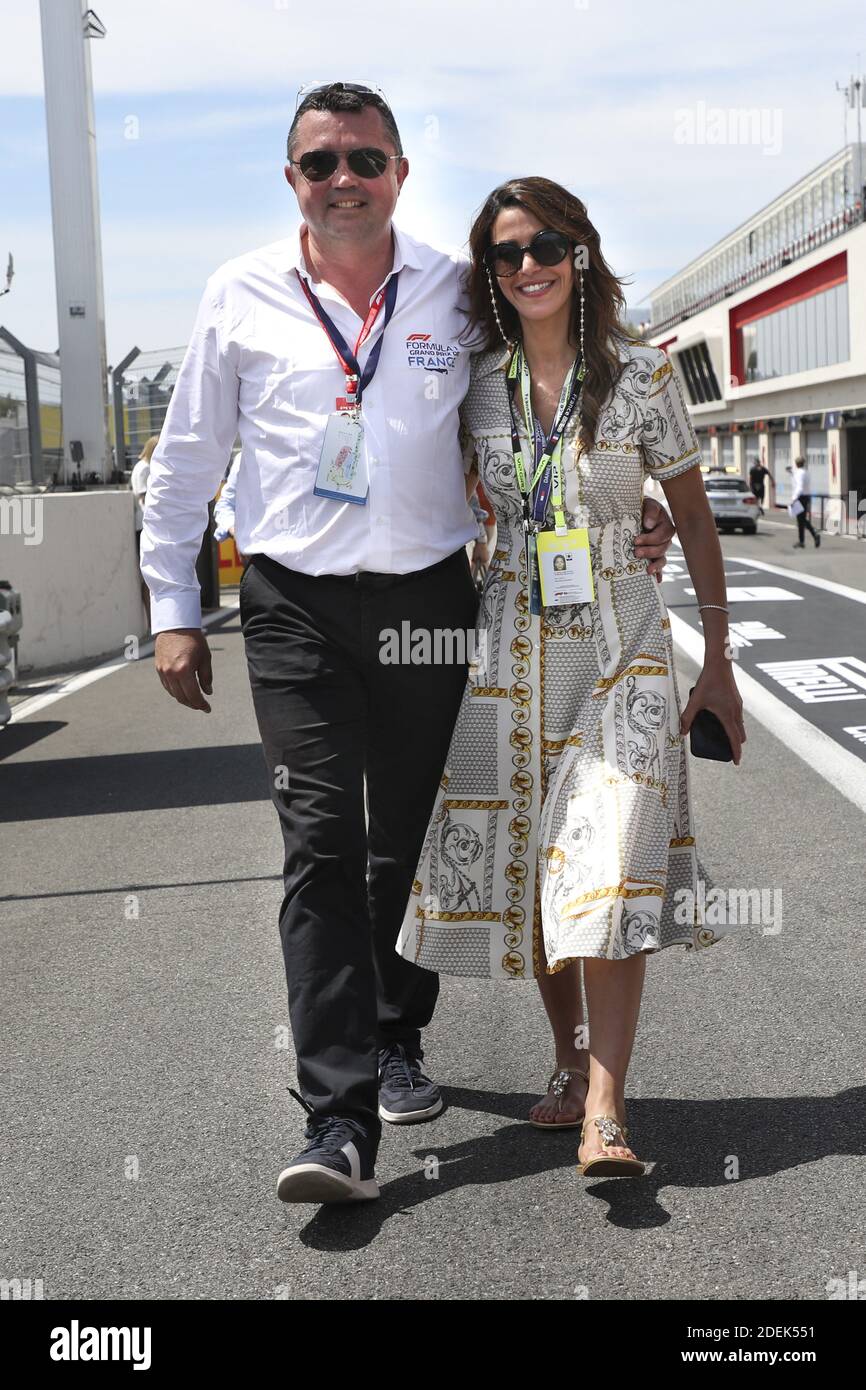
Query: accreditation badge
[(342, 471), (564, 567)]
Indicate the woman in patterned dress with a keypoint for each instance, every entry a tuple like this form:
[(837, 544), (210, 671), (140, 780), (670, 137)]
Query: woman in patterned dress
[(561, 835)]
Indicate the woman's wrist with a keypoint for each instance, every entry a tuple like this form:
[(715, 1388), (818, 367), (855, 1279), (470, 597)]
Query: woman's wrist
[(714, 621), (716, 658)]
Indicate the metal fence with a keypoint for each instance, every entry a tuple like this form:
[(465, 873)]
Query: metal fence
[(31, 425), (31, 421), (141, 390)]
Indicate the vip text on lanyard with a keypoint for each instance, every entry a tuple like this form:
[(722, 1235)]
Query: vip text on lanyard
[(551, 456), (356, 380)]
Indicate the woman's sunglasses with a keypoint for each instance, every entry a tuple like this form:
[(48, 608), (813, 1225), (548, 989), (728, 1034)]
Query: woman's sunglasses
[(547, 247), (365, 163)]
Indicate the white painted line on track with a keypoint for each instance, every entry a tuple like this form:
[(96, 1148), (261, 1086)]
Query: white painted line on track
[(767, 593), (844, 771), (85, 678), (829, 585), (817, 582)]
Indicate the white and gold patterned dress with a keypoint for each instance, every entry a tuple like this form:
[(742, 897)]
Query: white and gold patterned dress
[(563, 808)]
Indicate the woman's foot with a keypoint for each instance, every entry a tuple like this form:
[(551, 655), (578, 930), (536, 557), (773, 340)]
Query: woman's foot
[(604, 1123), (565, 1100)]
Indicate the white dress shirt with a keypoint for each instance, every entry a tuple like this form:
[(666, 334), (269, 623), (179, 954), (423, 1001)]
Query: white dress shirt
[(802, 483), (260, 365)]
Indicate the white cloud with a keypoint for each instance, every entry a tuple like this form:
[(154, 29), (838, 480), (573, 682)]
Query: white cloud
[(257, 45), (588, 96)]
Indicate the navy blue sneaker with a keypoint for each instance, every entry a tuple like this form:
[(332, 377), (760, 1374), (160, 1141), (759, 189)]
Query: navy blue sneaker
[(406, 1095), (335, 1166)]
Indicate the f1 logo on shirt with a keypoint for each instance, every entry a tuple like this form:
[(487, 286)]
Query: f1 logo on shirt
[(423, 352)]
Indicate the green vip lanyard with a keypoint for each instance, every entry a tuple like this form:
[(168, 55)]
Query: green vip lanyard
[(552, 453)]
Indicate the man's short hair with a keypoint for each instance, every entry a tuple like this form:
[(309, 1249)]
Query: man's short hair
[(335, 97)]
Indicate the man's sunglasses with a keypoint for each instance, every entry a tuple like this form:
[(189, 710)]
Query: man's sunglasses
[(547, 247), (366, 88), (365, 163)]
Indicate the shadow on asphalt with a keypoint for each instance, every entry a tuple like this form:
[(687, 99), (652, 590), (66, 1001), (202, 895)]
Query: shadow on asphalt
[(688, 1143), (14, 738), (156, 781), (162, 886)]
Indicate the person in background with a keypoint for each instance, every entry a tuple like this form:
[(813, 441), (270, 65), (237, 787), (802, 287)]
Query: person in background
[(758, 475), (224, 508), (802, 493), (138, 483)]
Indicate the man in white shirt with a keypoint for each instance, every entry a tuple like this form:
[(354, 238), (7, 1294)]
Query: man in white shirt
[(138, 484), (802, 492), (224, 507), (355, 521)]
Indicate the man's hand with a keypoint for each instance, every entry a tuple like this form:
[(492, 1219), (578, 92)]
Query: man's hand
[(480, 555), (183, 665), (653, 542), (242, 558)]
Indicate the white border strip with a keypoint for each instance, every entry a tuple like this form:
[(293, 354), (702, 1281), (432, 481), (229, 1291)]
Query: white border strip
[(39, 702), (830, 585), (844, 771)]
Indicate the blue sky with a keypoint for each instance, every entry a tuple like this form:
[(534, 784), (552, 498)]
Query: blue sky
[(590, 93)]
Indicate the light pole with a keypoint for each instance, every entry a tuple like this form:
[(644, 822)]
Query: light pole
[(855, 94), (66, 31)]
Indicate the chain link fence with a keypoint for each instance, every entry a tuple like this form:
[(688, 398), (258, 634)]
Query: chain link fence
[(31, 446)]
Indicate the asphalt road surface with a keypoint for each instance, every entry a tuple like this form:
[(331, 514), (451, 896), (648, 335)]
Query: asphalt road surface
[(144, 1014)]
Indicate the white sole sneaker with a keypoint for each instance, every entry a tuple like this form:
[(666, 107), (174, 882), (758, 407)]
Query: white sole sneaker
[(313, 1182), (396, 1117)]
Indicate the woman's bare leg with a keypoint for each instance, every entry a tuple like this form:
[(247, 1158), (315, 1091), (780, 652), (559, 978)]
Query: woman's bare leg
[(613, 995), (560, 994)]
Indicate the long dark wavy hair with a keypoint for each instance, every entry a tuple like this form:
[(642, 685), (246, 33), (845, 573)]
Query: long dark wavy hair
[(604, 301)]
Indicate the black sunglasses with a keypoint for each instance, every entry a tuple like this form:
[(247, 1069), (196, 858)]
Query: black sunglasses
[(547, 247), (366, 87), (365, 163)]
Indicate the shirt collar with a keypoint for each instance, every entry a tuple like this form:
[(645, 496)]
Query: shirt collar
[(405, 252), (494, 360)]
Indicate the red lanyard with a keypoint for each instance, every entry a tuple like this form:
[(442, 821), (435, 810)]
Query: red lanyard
[(356, 380), (371, 318)]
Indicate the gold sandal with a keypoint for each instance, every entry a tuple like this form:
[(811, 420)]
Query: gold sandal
[(602, 1166), (558, 1084)]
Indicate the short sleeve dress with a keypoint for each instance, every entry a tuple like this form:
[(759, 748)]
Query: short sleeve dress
[(563, 812)]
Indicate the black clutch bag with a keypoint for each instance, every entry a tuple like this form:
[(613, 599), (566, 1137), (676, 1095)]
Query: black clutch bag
[(707, 737)]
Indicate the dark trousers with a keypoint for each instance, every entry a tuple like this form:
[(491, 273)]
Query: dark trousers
[(332, 717), (804, 520)]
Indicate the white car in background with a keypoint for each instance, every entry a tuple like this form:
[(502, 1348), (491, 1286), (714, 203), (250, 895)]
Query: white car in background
[(732, 502)]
